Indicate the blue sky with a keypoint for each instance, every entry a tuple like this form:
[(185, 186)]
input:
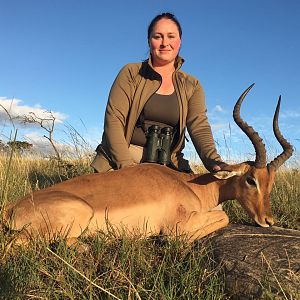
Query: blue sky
[(62, 56)]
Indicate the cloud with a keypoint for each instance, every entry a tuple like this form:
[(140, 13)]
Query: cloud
[(218, 114), (290, 114), (219, 126), (43, 146), (35, 138), (218, 108), (12, 109), (13, 113)]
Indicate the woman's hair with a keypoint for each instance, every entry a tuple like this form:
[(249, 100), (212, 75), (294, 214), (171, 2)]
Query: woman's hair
[(168, 16)]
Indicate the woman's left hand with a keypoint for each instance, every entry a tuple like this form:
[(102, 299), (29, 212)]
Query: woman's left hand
[(219, 167)]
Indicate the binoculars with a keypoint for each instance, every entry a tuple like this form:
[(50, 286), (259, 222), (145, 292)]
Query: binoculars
[(158, 145)]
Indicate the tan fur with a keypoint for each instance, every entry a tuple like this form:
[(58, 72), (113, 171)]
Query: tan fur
[(147, 197)]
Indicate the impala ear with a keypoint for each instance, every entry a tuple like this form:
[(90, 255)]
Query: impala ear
[(227, 174)]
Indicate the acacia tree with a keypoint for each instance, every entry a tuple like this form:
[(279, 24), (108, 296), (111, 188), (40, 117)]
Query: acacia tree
[(20, 146), (3, 146)]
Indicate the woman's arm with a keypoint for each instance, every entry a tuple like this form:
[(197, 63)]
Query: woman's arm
[(116, 113), (200, 131)]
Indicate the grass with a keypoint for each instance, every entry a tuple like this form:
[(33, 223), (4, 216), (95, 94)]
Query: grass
[(126, 268), (116, 268)]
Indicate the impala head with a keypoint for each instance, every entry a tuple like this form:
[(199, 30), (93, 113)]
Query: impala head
[(254, 182)]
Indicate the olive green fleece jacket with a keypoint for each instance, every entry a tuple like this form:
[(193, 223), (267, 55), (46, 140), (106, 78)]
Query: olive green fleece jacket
[(133, 86)]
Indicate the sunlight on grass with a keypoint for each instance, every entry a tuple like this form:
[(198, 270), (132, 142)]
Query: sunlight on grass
[(123, 267)]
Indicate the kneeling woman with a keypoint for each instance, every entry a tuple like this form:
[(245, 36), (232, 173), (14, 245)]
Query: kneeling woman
[(156, 92)]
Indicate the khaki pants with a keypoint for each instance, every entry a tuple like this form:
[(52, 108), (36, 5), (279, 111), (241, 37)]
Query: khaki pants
[(101, 164), (137, 153)]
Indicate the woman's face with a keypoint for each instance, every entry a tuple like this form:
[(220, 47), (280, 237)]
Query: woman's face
[(164, 42)]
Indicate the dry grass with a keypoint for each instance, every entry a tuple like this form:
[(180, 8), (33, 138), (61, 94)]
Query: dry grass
[(122, 268)]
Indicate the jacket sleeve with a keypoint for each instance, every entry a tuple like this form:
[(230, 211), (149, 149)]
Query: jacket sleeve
[(116, 114), (199, 128)]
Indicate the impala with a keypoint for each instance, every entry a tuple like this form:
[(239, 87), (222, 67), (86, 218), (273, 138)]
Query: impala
[(154, 198)]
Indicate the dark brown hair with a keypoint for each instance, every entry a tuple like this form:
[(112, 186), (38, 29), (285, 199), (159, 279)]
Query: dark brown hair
[(168, 16)]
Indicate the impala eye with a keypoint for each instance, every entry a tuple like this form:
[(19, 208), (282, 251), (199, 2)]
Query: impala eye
[(251, 181)]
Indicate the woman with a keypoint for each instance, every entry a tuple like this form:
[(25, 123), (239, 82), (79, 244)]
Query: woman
[(156, 92)]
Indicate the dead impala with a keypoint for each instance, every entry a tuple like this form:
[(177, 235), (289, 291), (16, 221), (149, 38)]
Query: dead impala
[(154, 198)]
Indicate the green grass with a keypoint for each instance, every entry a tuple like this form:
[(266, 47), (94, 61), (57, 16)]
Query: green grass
[(116, 268), (126, 268)]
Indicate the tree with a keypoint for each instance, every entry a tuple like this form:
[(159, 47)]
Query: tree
[(3, 146), (47, 124), (20, 146)]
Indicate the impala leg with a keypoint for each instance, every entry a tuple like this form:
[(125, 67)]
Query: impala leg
[(201, 224), (56, 214)]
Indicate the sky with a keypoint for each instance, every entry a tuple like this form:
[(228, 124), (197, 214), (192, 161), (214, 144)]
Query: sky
[(62, 57)]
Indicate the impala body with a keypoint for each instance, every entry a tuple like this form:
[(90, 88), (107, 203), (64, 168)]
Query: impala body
[(154, 199)]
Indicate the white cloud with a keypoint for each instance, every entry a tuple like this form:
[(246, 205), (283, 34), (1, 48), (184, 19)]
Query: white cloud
[(219, 126), (35, 138), (290, 114), (218, 108), (13, 109), (12, 114), (43, 146), (218, 115)]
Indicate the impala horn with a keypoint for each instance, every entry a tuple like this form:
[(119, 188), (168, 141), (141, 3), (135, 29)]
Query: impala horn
[(287, 147), (260, 150)]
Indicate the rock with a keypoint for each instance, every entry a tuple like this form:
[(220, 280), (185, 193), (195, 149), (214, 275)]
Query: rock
[(259, 263)]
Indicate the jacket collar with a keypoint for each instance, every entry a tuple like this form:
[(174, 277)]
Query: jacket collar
[(178, 62), (148, 72)]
